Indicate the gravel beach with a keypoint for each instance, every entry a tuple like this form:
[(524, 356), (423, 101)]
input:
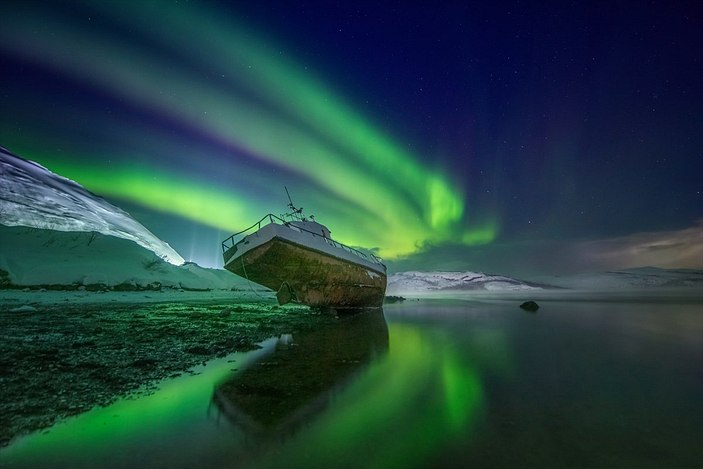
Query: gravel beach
[(60, 357)]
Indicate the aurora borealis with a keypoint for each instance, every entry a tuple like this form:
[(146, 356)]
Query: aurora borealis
[(461, 135)]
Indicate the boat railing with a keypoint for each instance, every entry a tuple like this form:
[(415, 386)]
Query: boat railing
[(270, 218)]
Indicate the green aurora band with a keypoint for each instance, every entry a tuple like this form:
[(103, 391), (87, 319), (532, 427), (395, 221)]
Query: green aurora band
[(246, 95)]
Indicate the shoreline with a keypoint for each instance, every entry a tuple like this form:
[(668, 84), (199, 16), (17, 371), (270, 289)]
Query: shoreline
[(19, 297), (64, 354)]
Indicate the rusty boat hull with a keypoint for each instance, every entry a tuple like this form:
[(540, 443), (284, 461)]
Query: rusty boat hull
[(303, 267)]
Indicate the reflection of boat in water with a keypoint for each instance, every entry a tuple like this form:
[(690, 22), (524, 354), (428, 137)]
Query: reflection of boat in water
[(298, 259), (300, 377)]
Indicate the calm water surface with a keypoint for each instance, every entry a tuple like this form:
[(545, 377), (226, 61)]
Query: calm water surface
[(429, 383)]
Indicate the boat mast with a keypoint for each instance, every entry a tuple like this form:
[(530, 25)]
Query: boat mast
[(296, 213)]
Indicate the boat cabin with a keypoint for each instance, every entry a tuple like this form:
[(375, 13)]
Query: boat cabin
[(312, 226)]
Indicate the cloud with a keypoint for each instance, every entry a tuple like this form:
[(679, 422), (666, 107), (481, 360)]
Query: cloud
[(664, 249)]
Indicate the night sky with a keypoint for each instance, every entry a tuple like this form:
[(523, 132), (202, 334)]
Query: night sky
[(518, 137)]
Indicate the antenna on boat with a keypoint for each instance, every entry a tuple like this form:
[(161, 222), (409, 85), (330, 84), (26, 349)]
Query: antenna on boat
[(297, 212), (290, 201)]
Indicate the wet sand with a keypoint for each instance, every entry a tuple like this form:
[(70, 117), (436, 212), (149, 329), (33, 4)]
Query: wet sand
[(63, 354)]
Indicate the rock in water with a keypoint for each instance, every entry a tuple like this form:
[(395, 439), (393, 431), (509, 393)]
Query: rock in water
[(530, 306), (393, 299)]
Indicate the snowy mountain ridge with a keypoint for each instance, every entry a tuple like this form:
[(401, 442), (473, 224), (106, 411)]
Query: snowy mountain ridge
[(33, 196), (424, 282)]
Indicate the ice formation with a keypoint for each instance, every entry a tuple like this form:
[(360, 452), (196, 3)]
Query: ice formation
[(33, 196)]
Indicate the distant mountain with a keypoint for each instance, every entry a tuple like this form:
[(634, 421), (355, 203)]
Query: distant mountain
[(646, 278), (33, 257), (33, 196), (427, 282)]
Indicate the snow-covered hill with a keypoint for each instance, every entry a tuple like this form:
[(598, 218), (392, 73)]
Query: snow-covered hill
[(409, 283), (31, 256), (33, 196)]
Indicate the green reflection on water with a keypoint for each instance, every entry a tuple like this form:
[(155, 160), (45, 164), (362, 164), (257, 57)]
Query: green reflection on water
[(398, 413), (399, 409), (462, 393), (103, 432)]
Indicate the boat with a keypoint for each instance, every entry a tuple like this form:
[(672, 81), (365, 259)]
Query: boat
[(296, 257)]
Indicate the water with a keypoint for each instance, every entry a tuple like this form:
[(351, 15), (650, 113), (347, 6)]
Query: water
[(427, 383)]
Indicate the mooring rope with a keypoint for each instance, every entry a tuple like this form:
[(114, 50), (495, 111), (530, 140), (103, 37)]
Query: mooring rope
[(247, 277)]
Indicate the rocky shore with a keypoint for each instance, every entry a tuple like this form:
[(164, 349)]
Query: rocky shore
[(58, 360)]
